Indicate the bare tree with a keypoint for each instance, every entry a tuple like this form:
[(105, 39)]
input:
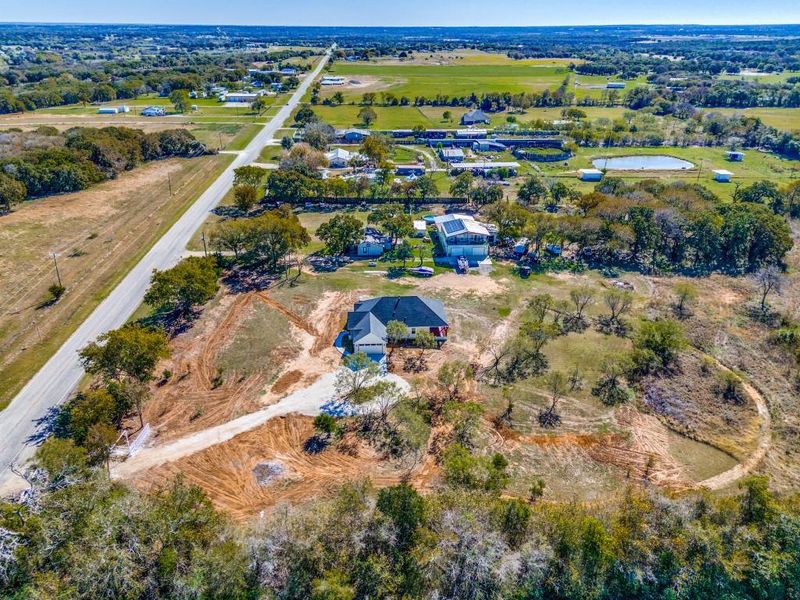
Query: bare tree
[(769, 279), (557, 386), (581, 297), (619, 302)]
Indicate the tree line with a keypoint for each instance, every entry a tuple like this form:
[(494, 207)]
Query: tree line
[(81, 536), (82, 157)]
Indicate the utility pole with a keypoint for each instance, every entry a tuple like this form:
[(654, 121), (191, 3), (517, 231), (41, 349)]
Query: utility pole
[(205, 248), (219, 133), (58, 274), (169, 181)]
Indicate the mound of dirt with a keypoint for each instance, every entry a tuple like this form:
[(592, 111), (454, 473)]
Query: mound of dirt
[(268, 472)]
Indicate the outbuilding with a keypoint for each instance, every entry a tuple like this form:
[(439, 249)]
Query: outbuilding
[(735, 156), (154, 111), (451, 155), (333, 80), (352, 136), (722, 176), (374, 243), (406, 170), (420, 228), (472, 133), (590, 174)]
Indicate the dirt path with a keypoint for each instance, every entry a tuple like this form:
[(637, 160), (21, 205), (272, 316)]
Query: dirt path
[(293, 317), (726, 478), (306, 402)]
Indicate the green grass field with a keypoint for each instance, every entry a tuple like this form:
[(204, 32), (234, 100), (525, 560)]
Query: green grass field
[(785, 119), (755, 167), (455, 75), (452, 80)]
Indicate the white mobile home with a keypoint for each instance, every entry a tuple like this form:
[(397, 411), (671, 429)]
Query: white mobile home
[(722, 176), (590, 174)]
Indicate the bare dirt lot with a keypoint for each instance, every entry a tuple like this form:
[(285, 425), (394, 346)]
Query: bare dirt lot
[(247, 351), (226, 471), (96, 234)]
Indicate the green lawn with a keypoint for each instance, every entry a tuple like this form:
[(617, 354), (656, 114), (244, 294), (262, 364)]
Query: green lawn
[(244, 137), (461, 79), (756, 166), (785, 119)]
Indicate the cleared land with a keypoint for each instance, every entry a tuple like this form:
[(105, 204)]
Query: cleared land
[(97, 234), (430, 80), (590, 456)]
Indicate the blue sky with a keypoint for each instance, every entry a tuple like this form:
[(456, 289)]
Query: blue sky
[(403, 12)]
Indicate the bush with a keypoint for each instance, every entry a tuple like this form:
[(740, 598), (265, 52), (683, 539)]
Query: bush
[(729, 386), (56, 291)]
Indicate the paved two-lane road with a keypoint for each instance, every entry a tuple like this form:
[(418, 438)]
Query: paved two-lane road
[(61, 374)]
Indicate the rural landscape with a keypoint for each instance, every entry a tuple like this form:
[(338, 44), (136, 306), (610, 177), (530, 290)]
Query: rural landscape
[(399, 312)]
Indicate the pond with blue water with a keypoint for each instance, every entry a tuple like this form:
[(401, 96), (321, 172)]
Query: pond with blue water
[(653, 162)]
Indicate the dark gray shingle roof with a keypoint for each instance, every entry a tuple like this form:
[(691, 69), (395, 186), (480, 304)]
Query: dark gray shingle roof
[(414, 311)]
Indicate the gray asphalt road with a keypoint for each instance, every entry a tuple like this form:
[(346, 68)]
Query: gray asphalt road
[(21, 422)]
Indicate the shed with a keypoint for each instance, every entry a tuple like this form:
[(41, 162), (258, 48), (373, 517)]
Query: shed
[(404, 170), (472, 133), (735, 156), (722, 176), (590, 174)]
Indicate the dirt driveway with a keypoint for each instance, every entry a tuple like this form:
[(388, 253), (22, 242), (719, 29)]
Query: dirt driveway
[(307, 401)]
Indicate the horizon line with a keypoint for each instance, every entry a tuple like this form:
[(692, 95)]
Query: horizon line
[(253, 26)]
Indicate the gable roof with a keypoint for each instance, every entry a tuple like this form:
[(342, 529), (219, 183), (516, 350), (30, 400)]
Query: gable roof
[(370, 317), (339, 153), (365, 327), (475, 116)]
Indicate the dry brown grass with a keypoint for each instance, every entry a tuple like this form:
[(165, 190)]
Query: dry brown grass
[(99, 234)]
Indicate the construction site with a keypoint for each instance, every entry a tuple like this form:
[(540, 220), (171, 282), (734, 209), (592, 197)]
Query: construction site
[(234, 409)]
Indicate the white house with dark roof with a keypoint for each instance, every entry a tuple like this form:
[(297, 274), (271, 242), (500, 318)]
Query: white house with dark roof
[(366, 323), (461, 235), (475, 117)]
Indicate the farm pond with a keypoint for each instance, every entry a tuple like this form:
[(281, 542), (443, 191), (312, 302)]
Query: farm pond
[(642, 163)]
